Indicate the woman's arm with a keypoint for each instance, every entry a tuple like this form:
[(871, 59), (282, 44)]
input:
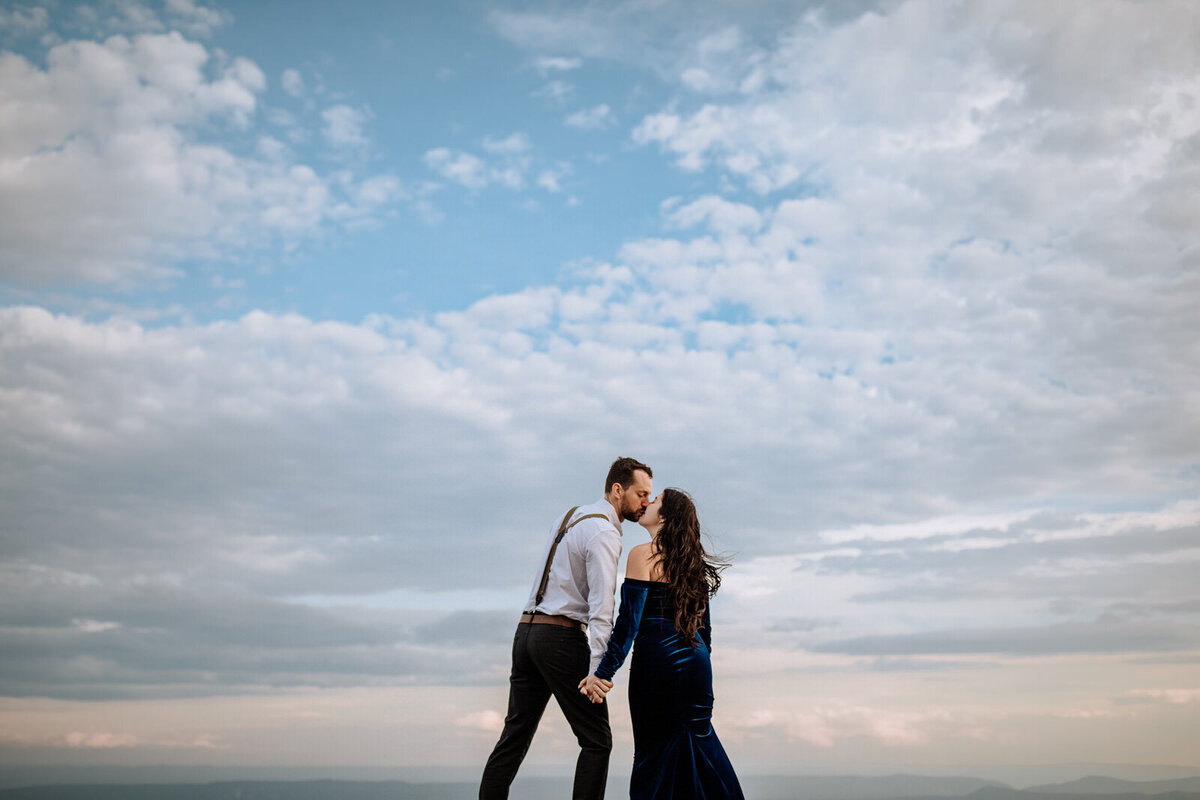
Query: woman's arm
[(633, 603)]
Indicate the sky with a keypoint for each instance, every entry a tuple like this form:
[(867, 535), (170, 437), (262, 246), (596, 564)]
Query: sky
[(313, 317)]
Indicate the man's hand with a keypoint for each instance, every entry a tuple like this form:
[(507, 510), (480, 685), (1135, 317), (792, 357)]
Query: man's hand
[(595, 688)]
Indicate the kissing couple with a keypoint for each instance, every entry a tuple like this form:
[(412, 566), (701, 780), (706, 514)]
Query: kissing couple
[(568, 647)]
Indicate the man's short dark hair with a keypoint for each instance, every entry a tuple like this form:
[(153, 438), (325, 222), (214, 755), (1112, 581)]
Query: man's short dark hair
[(622, 471)]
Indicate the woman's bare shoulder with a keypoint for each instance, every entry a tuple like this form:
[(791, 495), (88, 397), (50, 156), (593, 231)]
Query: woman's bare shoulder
[(637, 563), (640, 562)]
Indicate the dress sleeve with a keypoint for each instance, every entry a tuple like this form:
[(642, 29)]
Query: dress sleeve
[(706, 629), (633, 603), (604, 548)]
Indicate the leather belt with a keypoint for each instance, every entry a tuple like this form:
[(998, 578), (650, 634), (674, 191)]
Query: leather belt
[(552, 619)]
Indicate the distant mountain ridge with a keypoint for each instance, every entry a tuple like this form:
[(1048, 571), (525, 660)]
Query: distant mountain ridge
[(997, 793), (862, 787), (245, 790), (1099, 784)]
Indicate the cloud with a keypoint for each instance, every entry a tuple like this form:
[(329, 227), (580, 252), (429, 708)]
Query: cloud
[(1170, 696), (295, 429), (24, 21), (512, 144), (930, 597), (551, 178), (107, 740), (697, 79), (292, 82), (344, 126), (195, 19), (461, 168), (600, 116), (828, 724), (555, 91), (1103, 636), (487, 721), (507, 162), (131, 17), (664, 38), (557, 64), (918, 339), (119, 120), (824, 111), (100, 740)]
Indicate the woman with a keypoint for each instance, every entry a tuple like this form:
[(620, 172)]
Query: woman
[(664, 609)]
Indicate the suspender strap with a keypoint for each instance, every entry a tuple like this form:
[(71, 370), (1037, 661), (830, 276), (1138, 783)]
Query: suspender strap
[(566, 525)]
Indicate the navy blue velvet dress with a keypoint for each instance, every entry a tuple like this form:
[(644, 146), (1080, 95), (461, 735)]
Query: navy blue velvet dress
[(676, 753)]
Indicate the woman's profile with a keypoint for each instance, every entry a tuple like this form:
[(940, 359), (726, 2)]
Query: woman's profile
[(664, 617)]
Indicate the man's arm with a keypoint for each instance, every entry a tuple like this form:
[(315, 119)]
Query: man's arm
[(603, 550)]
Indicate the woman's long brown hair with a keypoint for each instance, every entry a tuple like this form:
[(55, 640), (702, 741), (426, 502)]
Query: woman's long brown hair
[(692, 575)]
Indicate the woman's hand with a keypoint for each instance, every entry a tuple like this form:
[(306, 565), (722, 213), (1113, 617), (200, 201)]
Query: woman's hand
[(595, 688)]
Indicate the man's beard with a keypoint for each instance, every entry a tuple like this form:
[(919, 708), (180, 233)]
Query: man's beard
[(633, 516)]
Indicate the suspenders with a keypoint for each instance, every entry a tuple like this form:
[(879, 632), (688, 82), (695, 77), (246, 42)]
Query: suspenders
[(566, 525)]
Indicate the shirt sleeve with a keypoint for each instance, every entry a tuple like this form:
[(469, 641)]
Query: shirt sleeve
[(633, 603), (604, 548)]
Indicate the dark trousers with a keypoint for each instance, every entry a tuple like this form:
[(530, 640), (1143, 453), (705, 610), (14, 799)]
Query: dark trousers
[(549, 660)]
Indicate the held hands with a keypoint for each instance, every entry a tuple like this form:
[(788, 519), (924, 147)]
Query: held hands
[(595, 688)]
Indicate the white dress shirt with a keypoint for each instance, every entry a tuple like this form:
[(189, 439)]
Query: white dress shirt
[(583, 575)]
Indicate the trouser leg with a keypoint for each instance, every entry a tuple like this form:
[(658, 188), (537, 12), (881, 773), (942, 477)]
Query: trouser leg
[(528, 695), (562, 658)]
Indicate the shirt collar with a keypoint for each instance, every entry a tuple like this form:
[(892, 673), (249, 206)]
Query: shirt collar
[(611, 513)]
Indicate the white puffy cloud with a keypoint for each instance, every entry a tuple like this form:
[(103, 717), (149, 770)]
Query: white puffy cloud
[(977, 189), (512, 144), (344, 126), (462, 168), (104, 176), (506, 161), (555, 91), (666, 38), (197, 20), (131, 17), (600, 116), (551, 178), (557, 63), (292, 82), (24, 20), (957, 120)]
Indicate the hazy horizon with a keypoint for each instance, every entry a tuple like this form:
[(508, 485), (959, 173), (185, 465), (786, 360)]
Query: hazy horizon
[(1015, 776)]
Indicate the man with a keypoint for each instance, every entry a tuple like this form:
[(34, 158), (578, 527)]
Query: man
[(575, 586)]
